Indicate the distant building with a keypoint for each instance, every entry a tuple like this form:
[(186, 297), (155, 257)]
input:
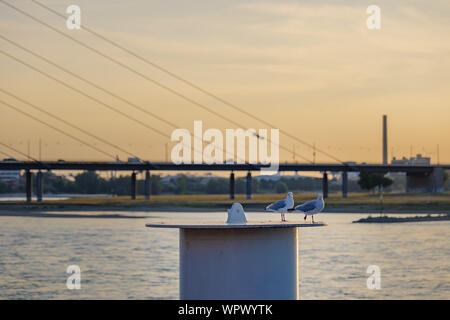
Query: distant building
[(133, 160), (418, 160), (11, 176), (403, 160)]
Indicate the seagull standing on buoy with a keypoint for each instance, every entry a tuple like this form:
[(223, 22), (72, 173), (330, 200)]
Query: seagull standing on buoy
[(310, 208), (282, 206)]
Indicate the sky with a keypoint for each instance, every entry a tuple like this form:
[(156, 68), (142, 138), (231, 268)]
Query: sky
[(309, 68)]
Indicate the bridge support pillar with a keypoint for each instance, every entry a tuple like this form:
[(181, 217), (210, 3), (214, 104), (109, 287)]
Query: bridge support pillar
[(147, 185), (438, 179), (325, 185), (344, 184), (39, 186), (28, 185), (249, 185), (133, 186), (232, 186)]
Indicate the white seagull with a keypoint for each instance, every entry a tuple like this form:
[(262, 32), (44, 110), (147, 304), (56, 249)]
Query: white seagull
[(282, 206), (310, 208)]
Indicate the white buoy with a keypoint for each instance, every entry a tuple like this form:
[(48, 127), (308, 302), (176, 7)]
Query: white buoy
[(238, 260)]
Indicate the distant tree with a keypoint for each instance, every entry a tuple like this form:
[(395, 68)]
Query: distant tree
[(281, 187), (156, 184), (255, 185), (216, 186), (58, 184), (446, 180), (120, 185), (5, 187), (241, 185), (87, 182), (181, 184), (371, 180)]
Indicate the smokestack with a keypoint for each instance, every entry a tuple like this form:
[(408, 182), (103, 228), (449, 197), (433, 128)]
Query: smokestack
[(385, 146)]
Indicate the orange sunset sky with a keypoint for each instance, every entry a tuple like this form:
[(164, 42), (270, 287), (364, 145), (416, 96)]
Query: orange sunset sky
[(310, 68)]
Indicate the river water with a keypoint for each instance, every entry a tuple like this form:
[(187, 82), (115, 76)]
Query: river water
[(122, 259)]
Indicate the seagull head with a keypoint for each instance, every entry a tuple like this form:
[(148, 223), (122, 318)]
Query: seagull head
[(319, 196), (290, 195)]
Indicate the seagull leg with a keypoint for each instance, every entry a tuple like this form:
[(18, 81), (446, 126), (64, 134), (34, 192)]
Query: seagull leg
[(305, 217), (312, 216)]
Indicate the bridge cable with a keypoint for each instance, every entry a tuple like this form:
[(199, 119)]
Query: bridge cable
[(185, 81), (87, 95), (6, 154), (146, 77), (24, 154), (57, 129), (67, 123), (173, 125)]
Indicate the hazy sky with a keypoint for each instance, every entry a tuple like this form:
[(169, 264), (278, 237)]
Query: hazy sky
[(311, 68)]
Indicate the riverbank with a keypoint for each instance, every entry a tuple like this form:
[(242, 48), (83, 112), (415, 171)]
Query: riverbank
[(65, 214), (386, 219), (354, 203)]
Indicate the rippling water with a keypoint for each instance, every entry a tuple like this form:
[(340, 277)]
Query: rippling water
[(121, 258)]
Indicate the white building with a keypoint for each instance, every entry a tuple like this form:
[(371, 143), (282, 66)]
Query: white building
[(9, 175), (418, 160)]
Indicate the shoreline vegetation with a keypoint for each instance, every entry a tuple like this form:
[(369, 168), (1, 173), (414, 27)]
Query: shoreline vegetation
[(386, 219), (354, 203)]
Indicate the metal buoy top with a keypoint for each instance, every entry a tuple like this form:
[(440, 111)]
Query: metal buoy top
[(236, 220), (224, 225), (237, 258)]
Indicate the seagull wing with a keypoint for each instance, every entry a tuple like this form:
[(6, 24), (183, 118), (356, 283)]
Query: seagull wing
[(276, 205), (306, 207)]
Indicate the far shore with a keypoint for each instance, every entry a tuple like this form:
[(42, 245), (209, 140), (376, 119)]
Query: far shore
[(354, 203), (386, 219), (41, 214)]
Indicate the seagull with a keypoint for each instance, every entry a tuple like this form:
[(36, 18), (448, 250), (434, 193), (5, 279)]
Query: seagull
[(310, 208), (282, 206)]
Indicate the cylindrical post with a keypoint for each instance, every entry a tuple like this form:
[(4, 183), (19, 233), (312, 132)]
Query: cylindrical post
[(232, 186), (385, 146), (28, 185), (325, 185), (249, 185), (133, 186), (39, 186), (239, 263), (344, 184), (147, 185)]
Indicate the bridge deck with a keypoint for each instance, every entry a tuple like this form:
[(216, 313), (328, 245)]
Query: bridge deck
[(167, 166)]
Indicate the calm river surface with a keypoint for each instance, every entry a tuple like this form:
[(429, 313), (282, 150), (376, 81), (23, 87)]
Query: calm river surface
[(122, 259)]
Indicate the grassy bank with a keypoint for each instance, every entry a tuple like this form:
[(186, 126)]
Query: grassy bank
[(360, 202)]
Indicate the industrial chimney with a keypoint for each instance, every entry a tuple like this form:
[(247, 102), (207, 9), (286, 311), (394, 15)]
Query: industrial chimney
[(385, 146)]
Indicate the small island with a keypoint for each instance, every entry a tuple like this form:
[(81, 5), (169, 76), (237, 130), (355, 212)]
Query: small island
[(386, 219)]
